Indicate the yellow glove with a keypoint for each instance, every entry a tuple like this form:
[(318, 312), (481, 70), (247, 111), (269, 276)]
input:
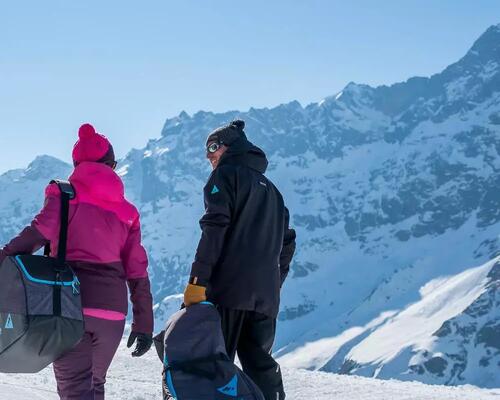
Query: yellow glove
[(194, 294)]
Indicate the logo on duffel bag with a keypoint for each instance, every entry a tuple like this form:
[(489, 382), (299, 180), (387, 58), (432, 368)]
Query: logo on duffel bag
[(231, 389), (9, 324)]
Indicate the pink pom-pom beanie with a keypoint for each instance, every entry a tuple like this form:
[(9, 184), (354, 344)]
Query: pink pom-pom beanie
[(92, 146)]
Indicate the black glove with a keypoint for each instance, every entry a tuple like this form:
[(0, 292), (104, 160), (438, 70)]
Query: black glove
[(144, 342)]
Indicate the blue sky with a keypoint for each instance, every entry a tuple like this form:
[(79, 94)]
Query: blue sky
[(126, 66)]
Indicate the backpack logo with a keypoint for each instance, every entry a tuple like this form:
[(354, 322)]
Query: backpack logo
[(9, 324), (215, 189), (231, 389)]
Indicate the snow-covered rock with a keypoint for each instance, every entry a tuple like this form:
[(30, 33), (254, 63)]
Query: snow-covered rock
[(466, 348), (449, 336)]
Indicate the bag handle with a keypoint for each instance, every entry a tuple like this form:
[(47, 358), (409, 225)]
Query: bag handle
[(67, 194)]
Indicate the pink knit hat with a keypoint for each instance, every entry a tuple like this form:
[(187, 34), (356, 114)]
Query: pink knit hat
[(92, 146)]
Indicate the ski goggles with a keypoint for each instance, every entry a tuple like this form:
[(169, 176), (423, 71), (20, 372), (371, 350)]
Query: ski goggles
[(213, 147)]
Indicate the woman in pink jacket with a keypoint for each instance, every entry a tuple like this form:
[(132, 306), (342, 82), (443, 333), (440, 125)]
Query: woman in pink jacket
[(104, 248)]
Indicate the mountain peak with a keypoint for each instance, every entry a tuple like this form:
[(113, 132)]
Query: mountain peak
[(45, 166), (184, 115), (294, 104), (487, 46), (45, 160)]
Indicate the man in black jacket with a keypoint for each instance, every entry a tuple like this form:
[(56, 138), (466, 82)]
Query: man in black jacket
[(244, 253)]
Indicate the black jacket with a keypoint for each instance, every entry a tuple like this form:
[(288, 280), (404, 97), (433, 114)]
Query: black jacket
[(246, 245)]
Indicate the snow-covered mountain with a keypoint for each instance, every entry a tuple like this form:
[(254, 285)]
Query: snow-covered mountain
[(449, 336), (395, 195)]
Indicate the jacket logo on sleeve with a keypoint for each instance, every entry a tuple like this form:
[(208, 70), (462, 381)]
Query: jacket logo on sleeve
[(215, 189)]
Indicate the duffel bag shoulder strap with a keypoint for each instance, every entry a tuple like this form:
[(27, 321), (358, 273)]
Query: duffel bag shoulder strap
[(67, 194)]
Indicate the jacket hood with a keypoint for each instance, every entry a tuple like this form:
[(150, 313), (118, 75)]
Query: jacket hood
[(244, 152), (99, 181)]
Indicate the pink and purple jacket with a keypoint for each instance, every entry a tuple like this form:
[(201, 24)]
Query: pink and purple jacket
[(104, 244)]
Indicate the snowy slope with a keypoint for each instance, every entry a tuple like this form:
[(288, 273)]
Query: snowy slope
[(140, 379), (450, 335), (393, 190)]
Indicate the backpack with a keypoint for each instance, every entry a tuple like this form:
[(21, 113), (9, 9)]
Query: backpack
[(195, 362), (40, 307)]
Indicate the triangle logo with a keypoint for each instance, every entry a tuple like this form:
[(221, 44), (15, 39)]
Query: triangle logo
[(9, 324), (231, 389), (215, 189)]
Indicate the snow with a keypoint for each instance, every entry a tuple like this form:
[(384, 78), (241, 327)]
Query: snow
[(489, 70), (456, 89), (123, 170), (161, 151), (140, 379), (386, 342), (418, 322)]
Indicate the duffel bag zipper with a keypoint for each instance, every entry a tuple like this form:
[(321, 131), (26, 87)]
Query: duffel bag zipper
[(57, 282), (75, 285)]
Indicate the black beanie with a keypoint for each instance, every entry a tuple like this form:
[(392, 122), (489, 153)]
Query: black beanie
[(228, 134)]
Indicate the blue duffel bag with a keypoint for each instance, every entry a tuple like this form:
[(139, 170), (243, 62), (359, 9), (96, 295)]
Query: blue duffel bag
[(195, 362)]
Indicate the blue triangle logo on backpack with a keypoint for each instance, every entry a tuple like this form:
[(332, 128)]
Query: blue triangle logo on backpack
[(215, 189), (231, 389), (9, 324)]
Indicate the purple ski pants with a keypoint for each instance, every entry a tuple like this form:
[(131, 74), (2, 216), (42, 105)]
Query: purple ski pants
[(81, 373)]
